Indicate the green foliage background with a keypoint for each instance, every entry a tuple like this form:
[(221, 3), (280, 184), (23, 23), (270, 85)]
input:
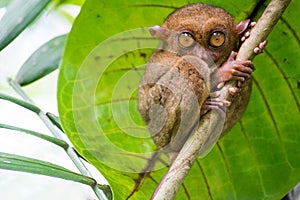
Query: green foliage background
[(258, 159)]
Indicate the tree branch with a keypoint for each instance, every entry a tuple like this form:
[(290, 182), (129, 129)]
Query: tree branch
[(213, 122)]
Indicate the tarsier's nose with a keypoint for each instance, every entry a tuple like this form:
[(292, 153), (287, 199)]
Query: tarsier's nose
[(202, 54)]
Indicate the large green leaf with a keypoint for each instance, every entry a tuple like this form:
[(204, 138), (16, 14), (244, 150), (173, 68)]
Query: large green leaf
[(98, 81)]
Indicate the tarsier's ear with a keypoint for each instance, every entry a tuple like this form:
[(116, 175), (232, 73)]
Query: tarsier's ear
[(159, 32), (242, 26)]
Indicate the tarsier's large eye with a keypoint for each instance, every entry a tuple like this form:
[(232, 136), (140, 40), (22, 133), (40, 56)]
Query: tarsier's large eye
[(217, 39), (186, 39)]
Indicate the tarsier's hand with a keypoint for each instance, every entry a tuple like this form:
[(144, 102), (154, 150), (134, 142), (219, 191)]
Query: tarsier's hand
[(247, 31), (261, 46), (234, 70), (239, 70)]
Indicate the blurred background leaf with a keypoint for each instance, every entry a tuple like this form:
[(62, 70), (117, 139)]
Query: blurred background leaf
[(43, 61), (13, 23), (4, 3), (258, 159), (25, 164), (75, 2), (53, 140)]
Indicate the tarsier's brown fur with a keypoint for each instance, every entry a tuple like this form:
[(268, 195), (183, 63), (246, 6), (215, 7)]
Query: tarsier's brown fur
[(176, 76)]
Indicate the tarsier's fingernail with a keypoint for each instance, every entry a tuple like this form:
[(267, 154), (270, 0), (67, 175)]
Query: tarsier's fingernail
[(247, 34), (220, 85), (252, 24), (263, 44), (252, 67), (227, 103), (215, 94), (233, 54), (239, 84), (256, 50), (233, 90)]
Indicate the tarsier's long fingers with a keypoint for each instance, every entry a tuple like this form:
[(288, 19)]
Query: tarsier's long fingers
[(215, 94), (233, 90), (247, 32), (240, 72), (246, 63), (214, 103), (235, 70), (217, 102), (260, 47), (242, 68)]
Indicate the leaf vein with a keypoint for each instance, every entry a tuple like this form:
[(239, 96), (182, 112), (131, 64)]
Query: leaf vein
[(226, 167), (253, 157), (268, 108), (205, 180), (284, 77), (291, 29)]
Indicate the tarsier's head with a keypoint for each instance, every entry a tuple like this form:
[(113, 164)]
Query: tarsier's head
[(200, 30)]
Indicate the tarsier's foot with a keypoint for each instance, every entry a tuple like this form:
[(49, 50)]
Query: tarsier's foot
[(213, 102)]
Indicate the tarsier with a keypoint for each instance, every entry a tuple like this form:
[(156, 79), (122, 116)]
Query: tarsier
[(184, 75)]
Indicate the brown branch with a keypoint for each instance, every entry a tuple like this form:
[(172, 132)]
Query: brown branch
[(213, 122)]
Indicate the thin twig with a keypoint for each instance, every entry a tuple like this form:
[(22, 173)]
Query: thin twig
[(58, 134), (177, 172)]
